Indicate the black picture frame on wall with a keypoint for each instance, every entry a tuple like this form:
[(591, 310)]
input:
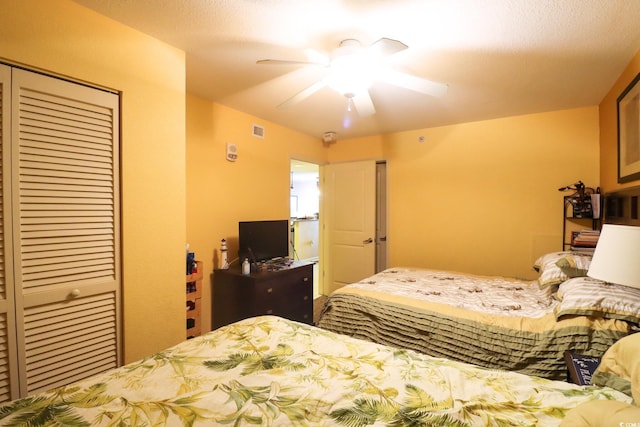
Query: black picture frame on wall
[(629, 132)]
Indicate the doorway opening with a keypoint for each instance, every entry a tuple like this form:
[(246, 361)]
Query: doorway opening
[(305, 213)]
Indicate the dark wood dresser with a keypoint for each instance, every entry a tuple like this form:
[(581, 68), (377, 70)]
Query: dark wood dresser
[(287, 292)]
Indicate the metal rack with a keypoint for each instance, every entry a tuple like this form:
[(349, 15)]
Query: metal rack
[(579, 208)]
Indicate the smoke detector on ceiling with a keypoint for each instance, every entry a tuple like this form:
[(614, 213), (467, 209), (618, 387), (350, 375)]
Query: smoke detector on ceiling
[(329, 137)]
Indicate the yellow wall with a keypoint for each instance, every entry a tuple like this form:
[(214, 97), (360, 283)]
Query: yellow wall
[(609, 129), (60, 37), (481, 197), (221, 193), (438, 210)]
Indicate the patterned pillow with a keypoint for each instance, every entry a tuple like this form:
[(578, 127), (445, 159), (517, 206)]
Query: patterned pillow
[(556, 267), (592, 297), (574, 265)]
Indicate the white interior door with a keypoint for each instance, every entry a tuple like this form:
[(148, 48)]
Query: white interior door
[(349, 222)]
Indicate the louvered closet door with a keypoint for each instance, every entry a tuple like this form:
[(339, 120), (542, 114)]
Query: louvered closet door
[(8, 350), (66, 229)]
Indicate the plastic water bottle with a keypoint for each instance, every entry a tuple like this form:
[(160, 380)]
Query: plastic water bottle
[(246, 268)]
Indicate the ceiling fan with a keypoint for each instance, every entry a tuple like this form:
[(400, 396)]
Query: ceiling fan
[(353, 68)]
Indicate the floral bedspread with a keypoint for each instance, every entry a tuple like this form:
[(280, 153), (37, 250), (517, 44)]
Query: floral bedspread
[(487, 294), (274, 372)]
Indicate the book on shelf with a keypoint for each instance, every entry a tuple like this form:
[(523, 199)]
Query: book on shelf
[(583, 249), (585, 238)]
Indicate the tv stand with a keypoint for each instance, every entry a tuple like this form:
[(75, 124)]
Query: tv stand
[(286, 292)]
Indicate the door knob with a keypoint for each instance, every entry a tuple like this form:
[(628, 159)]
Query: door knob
[(369, 240)]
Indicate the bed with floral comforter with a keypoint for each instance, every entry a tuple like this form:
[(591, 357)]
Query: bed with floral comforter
[(274, 372), (492, 321)]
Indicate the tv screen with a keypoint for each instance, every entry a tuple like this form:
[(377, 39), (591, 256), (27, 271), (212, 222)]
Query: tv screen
[(263, 240)]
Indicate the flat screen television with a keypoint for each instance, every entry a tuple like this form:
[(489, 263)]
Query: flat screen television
[(263, 240)]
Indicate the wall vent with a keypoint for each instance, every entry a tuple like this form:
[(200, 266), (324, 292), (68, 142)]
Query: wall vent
[(258, 131)]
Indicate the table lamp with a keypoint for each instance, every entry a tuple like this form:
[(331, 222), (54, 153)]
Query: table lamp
[(616, 258)]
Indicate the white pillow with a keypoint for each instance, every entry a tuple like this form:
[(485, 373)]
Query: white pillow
[(556, 267), (592, 297)]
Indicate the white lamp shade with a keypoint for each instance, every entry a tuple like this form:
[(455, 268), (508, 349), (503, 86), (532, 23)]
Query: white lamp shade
[(617, 256)]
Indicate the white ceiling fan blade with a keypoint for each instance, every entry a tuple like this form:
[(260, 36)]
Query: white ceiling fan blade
[(287, 62), (303, 94), (364, 104), (414, 83), (386, 47), (317, 57)]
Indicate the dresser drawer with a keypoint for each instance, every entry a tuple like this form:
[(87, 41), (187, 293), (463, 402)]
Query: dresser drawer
[(281, 300), (290, 285), (302, 312), (280, 297)]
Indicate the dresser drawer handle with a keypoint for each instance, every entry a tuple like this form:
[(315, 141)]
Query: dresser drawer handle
[(269, 290), (306, 297), (305, 279), (269, 311)]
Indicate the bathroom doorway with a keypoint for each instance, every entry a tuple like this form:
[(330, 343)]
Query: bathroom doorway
[(305, 212)]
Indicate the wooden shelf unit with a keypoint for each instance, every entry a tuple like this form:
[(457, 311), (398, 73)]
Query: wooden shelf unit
[(575, 222), (194, 295)]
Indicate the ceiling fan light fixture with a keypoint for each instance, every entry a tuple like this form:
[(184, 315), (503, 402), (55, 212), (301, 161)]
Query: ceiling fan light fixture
[(349, 85), (352, 70)]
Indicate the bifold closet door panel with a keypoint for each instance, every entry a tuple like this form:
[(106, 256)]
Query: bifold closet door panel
[(65, 210), (9, 387)]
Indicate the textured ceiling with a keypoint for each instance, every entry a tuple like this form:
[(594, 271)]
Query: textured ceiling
[(499, 57)]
